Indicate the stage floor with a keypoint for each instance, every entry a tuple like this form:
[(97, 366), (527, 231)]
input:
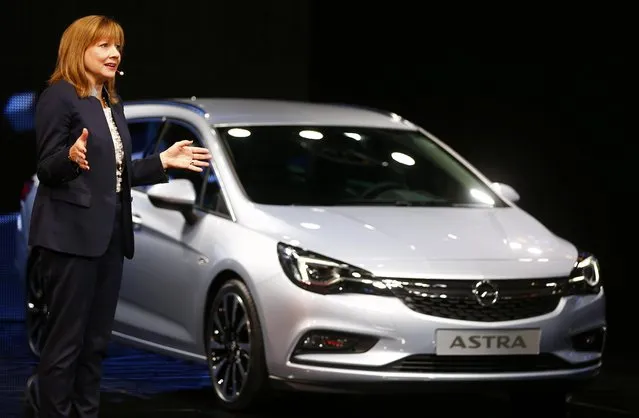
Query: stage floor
[(141, 384)]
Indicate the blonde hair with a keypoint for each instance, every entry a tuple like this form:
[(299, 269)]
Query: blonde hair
[(76, 39)]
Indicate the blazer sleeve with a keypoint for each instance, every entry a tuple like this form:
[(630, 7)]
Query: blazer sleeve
[(52, 127), (148, 170)]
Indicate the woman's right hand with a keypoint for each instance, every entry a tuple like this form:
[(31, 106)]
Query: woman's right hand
[(78, 151)]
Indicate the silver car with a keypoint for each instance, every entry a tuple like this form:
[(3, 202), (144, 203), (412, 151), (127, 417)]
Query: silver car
[(338, 248)]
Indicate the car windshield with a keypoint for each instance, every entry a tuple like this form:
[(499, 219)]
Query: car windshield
[(343, 166)]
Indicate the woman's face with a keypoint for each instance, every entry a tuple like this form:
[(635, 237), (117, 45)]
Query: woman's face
[(101, 60)]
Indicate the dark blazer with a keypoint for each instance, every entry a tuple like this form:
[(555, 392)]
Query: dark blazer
[(74, 210)]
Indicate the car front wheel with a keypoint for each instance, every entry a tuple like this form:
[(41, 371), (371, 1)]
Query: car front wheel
[(235, 348)]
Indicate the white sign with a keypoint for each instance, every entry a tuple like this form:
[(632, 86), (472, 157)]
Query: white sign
[(458, 342)]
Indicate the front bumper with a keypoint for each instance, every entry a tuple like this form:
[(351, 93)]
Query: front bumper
[(358, 382), (404, 335)]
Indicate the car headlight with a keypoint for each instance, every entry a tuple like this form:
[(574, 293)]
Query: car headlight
[(585, 278), (320, 274)]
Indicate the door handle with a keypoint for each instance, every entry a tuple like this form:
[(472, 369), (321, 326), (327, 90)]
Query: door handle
[(137, 222)]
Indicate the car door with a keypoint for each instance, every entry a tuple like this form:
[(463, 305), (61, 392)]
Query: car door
[(163, 280)]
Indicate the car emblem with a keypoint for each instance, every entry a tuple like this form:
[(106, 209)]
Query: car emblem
[(486, 293)]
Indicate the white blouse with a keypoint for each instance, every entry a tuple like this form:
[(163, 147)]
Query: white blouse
[(119, 151)]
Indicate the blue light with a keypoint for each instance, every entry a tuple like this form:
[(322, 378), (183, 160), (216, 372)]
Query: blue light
[(11, 218), (19, 111)]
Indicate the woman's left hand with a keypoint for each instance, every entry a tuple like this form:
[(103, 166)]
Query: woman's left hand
[(182, 155)]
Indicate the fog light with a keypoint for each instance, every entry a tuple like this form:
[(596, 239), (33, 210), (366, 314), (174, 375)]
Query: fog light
[(334, 342), (591, 340)]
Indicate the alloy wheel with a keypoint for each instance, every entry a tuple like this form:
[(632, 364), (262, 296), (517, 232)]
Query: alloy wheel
[(229, 347)]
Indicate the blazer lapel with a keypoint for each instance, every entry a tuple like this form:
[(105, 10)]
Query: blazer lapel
[(98, 123), (100, 131)]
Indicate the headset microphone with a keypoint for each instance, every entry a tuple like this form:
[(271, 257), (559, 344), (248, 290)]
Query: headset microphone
[(121, 72)]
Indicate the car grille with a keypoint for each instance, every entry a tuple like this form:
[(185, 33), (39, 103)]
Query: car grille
[(426, 363), (454, 299)]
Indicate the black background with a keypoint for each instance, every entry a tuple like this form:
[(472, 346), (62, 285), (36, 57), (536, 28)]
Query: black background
[(533, 97)]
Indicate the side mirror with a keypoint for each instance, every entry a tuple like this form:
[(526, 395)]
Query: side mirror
[(177, 194), (506, 191)]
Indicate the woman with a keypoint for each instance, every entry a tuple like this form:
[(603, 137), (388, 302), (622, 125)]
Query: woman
[(81, 223)]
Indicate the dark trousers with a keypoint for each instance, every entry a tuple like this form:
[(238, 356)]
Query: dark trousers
[(81, 295)]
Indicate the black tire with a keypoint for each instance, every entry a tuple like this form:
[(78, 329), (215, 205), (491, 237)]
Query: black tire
[(36, 309), (235, 348)]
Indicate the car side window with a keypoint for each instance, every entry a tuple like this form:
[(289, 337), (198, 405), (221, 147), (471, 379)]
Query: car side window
[(213, 197), (171, 133), (208, 193), (143, 135)]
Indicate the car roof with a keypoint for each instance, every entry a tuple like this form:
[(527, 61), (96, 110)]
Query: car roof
[(242, 112)]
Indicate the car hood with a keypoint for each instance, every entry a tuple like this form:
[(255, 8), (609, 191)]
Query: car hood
[(423, 242)]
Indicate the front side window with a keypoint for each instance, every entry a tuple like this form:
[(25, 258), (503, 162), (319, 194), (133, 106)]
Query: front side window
[(207, 187), (144, 132), (320, 165)]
